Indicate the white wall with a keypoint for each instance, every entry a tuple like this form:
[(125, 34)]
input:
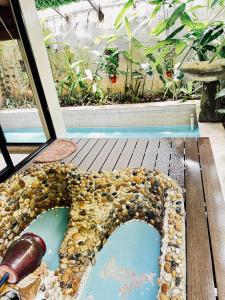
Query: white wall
[(133, 115), (84, 27)]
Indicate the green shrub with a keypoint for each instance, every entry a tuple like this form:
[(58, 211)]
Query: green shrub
[(42, 4)]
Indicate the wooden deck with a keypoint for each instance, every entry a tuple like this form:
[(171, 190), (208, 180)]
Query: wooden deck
[(190, 162)]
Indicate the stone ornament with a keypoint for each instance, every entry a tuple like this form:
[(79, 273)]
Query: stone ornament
[(205, 71), (210, 73)]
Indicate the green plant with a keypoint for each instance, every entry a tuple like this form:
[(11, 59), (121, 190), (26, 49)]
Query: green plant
[(189, 90), (79, 86), (205, 42), (43, 4), (75, 82), (137, 69), (180, 34), (204, 39), (110, 61), (14, 82), (220, 96), (11, 103)]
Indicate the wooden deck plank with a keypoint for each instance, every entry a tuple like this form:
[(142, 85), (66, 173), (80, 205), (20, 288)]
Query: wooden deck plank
[(102, 156), (176, 170), (126, 154), (80, 144), (163, 157), (200, 282), (138, 154), (114, 155), (91, 156), (216, 210), (151, 152), (78, 158)]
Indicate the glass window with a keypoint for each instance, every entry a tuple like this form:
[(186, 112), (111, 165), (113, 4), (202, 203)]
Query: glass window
[(19, 115)]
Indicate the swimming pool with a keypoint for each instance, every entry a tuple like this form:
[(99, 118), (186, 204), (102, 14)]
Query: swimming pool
[(36, 135)]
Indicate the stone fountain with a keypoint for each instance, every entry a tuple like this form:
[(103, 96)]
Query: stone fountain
[(210, 73)]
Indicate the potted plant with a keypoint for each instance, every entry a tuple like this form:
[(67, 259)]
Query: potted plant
[(110, 63), (169, 63)]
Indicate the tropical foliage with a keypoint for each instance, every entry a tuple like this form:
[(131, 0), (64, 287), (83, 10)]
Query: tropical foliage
[(42, 4), (179, 33)]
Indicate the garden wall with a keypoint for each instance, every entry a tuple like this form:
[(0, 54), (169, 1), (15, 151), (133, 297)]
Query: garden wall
[(129, 115)]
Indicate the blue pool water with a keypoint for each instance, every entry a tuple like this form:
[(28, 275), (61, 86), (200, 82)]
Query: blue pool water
[(127, 268), (36, 135), (56, 221)]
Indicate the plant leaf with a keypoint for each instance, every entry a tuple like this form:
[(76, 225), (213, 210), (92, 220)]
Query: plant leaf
[(48, 37), (210, 48), (175, 15), (76, 63), (214, 3), (128, 28), (196, 7), (112, 39), (122, 13), (218, 50), (160, 44), (220, 94), (103, 37), (222, 52), (169, 22), (186, 20), (130, 58), (180, 48), (211, 35), (137, 43), (156, 10), (221, 111), (158, 29), (175, 32), (155, 2)]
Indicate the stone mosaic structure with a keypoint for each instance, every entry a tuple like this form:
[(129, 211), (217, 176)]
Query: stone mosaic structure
[(100, 202)]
